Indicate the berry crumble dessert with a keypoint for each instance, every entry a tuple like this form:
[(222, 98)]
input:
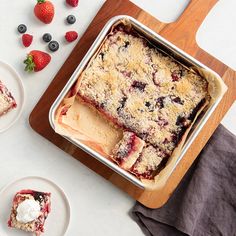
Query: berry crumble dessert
[(7, 101), (29, 211), (150, 96)]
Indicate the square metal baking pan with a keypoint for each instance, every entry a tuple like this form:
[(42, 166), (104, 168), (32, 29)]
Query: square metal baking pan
[(167, 48)]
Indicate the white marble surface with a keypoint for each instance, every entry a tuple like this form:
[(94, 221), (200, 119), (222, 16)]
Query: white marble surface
[(97, 207)]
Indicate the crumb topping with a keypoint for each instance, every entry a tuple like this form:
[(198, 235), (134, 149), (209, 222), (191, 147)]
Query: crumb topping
[(143, 89)]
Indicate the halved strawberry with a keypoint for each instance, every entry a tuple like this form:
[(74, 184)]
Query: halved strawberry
[(37, 61)]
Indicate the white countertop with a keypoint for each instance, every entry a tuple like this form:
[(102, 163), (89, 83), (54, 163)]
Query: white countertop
[(97, 207)]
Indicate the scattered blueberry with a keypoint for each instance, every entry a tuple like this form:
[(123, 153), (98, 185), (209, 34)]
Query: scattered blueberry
[(53, 46), (22, 28), (47, 37), (71, 19)]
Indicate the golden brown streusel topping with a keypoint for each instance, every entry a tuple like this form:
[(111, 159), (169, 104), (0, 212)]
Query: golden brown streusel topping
[(145, 91)]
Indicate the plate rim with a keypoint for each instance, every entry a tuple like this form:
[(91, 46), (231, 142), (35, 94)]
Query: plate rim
[(51, 182), (19, 80)]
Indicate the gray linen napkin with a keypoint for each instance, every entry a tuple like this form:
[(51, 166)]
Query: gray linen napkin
[(205, 201)]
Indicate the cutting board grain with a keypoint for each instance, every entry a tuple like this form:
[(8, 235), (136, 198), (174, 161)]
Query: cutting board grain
[(181, 33)]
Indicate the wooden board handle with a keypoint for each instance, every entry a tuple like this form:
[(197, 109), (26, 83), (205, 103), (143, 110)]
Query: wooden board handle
[(183, 31), (202, 7)]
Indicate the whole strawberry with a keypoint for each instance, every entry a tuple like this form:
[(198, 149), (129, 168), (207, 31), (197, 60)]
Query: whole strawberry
[(71, 36), (36, 61), (27, 40), (73, 3), (44, 11)]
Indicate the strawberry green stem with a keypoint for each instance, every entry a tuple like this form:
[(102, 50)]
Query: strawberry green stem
[(41, 1), (29, 64)]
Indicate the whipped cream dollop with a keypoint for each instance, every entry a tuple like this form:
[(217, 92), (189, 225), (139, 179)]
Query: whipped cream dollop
[(28, 210)]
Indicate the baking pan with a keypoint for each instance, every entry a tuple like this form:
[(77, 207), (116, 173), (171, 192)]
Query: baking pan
[(217, 86)]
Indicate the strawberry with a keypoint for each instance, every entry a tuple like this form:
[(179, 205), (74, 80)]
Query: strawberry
[(71, 36), (44, 11), (73, 3), (36, 61), (27, 40)]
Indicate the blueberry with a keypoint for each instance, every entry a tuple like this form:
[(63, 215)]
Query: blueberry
[(160, 102), (139, 85), (22, 28), (122, 104), (176, 100), (53, 46), (181, 120), (127, 43), (71, 19), (47, 37), (147, 104)]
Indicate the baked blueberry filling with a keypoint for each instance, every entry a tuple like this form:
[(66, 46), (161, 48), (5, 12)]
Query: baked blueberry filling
[(160, 102), (176, 75), (196, 109), (139, 85)]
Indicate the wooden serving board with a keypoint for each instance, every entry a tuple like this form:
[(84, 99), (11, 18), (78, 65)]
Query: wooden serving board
[(181, 33)]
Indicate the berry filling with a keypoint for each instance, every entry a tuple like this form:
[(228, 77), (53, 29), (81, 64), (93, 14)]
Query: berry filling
[(122, 104), (196, 109), (162, 122), (176, 75), (101, 55), (176, 100), (160, 102), (176, 136), (138, 85), (126, 73)]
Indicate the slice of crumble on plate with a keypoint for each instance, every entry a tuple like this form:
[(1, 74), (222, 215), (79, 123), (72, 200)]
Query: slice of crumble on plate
[(7, 101), (29, 211)]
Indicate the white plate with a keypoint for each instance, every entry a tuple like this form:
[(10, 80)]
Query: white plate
[(13, 82), (59, 217)]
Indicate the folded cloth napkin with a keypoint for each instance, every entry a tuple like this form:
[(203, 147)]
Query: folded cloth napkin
[(205, 201)]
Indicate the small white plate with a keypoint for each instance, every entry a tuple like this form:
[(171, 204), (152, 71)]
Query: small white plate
[(59, 217), (12, 81)]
